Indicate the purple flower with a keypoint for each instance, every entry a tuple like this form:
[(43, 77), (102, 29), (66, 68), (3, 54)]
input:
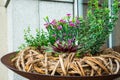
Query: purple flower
[(68, 15), (71, 24), (59, 27), (62, 21), (69, 41), (53, 22), (58, 41), (77, 21), (46, 25), (73, 39), (54, 35)]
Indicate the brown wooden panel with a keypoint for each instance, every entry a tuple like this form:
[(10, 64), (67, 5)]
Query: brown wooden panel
[(116, 36)]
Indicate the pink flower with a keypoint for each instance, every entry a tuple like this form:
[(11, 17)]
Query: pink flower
[(53, 22), (46, 25), (57, 42), (69, 41), (77, 21), (68, 15), (59, 27), (62, 21), (54, 35), (71, 24)]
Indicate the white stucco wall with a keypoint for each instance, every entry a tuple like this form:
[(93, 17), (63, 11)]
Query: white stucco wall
[(24, 13), (2, 2), (3, 41), (16, 14)]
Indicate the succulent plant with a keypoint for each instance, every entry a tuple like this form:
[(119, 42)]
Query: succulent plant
[(63, 47), (84, 35), (90, 32)]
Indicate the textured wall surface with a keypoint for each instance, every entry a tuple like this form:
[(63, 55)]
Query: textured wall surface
[(24, 13), (3, 42), (54, 10)]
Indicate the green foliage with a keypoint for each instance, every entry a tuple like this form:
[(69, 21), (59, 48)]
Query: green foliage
[(89, 33), (64, 30), (40, 39), (78, 34), (97, 26), (64, 33)]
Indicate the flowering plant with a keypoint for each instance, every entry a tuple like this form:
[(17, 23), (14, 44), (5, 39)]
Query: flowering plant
[(80, 35), (64, 31), (74, 36), (86, 35)]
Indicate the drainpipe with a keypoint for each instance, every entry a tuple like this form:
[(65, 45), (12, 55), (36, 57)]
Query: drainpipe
[(80, 7), (110, 36)]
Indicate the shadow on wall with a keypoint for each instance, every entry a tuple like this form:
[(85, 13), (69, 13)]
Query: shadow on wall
[(117, 48)]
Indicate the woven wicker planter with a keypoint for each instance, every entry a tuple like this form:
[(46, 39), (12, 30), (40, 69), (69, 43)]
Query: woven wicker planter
[(6, 60)]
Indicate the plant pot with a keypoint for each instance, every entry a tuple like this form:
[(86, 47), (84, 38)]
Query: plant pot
[(6, 60)]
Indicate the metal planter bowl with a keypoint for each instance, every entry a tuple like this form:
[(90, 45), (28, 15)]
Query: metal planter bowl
[(6, 60)]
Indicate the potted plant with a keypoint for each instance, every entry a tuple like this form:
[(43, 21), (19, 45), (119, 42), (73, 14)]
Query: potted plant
[(71, 48)]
